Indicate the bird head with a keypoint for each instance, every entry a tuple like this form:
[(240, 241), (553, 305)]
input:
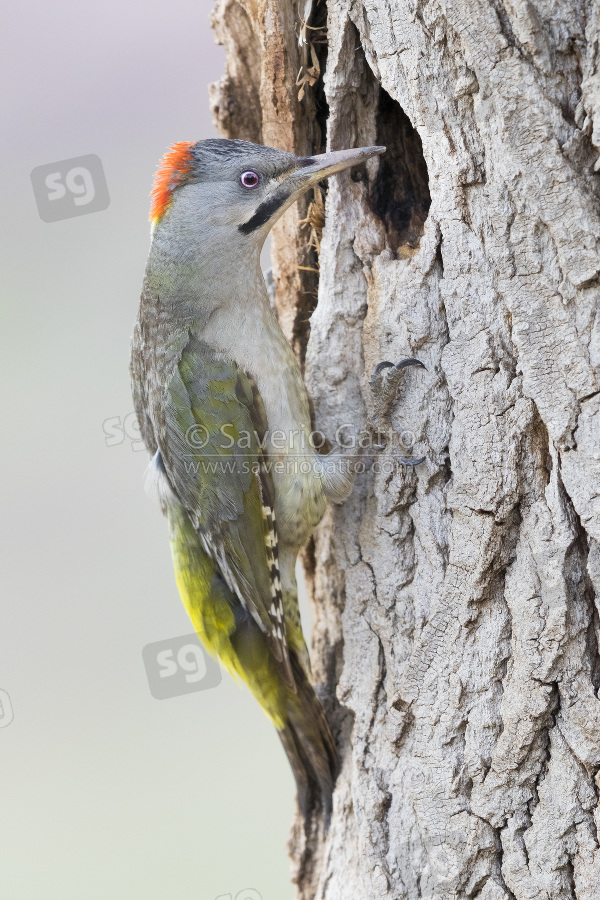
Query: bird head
[(236, 188)]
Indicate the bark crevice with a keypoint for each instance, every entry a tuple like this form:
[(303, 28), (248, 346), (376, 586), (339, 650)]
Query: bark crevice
[(400, 195)]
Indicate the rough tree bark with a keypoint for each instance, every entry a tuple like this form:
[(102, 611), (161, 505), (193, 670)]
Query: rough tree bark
[(456, 604)]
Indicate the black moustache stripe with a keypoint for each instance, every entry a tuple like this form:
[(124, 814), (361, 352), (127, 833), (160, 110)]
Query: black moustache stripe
[(263, 213)]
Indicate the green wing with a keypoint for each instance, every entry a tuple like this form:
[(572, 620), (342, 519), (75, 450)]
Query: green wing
[(210, 444)]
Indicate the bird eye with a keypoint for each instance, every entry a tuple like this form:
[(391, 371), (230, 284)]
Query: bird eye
[(249, 179)]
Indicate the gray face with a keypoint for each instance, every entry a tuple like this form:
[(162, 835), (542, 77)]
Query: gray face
[(239, 185), (238, 190)]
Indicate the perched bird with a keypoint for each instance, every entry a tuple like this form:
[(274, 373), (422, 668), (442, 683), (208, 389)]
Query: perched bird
[(224, 413)]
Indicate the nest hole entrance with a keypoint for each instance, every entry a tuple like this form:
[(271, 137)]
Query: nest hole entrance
[(400, 193)]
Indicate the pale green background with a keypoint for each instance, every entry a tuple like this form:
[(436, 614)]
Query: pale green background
[(104, 791)]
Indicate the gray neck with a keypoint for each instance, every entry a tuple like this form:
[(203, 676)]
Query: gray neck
[(199, 270)]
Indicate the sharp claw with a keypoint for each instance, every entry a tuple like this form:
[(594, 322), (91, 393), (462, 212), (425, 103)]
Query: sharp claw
[(411, 462), (381, 366), (407, 362), (403, 364)]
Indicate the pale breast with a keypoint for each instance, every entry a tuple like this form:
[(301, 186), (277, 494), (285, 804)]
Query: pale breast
[(260, 348)]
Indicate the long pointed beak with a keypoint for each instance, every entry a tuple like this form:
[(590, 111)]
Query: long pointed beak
[(291, 185), (315, 168)]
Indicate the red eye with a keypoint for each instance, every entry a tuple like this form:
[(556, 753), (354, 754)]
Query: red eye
[(249, 179)]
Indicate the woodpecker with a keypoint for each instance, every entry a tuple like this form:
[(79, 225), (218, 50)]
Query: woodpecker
[(224, 415)]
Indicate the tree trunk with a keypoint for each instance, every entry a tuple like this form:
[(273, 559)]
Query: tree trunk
[(456, 603)]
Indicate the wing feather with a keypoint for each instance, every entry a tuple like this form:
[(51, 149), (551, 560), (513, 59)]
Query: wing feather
[(211, 449)]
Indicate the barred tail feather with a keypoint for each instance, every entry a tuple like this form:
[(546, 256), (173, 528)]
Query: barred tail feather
[(309, 745)]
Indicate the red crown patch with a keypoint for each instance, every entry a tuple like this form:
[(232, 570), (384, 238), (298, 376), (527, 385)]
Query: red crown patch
[(173, 168)]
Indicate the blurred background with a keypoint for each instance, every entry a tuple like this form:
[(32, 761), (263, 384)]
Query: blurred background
[(105, 791)]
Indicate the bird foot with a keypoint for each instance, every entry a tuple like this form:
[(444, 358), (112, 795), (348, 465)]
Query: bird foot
[(384, 384)]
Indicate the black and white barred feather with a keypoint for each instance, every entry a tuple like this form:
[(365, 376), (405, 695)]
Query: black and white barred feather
[(276, 612)]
